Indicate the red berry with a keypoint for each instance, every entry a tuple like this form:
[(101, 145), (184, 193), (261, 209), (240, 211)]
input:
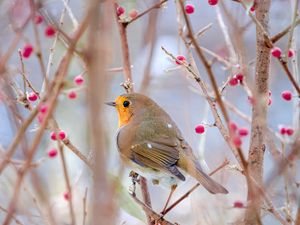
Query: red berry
[(66, 196), (72, 95), (212, 2), (251, 100), (243, 131), (61, 135), (50, 31), (276, 52), (52, 153), (232, 126), (289, 131), (133, 13), (32, 97), (237, 141), (291, 53), (38, 19), (53, 136), (240, 77), (233, 81), (120, 10), (286, 95), (252, 9), (189, 8), (282, 130), (27, 50), (200, 129), (238, 204), (78, 80), (180, 59)]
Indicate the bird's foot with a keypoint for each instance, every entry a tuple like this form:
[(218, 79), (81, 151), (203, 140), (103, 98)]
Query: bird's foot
[(134, 178)]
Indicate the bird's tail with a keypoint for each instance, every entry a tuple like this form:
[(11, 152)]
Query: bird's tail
[(195, 170)]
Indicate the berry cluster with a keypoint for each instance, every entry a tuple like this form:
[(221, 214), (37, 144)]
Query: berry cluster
[(238, 78), (121, 12), (237, 133), (49, 31)]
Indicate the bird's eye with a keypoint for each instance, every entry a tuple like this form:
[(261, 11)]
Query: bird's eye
[(126, 104)]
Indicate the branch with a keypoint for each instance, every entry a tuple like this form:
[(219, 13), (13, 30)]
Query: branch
[(281, 34), (155, 6), (225, 163), (125, 49), (154, 216), (259, 113)]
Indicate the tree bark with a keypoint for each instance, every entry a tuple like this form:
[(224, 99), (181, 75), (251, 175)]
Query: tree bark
[(259, 115)]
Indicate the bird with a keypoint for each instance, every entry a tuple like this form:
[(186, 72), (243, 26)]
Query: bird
[(150, 143)]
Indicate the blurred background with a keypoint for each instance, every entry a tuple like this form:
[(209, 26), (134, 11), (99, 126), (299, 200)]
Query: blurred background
[(169, 85)]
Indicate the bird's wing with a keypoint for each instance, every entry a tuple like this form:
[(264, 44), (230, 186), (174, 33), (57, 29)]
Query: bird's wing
[(157, 156)]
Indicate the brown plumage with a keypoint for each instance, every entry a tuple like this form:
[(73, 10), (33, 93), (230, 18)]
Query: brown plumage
[(150, 142)]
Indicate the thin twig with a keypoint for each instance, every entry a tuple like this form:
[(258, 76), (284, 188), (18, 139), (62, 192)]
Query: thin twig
[(124, 49), (26, 81), (218, 121), (225, 163), (293, 25), (158, 219), (39, 53), (282, 33), (155, 6), (84, 206), (67, 181), (146, 196)]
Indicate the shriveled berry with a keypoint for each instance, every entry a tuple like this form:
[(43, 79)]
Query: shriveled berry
[(78, 80), (180, 59), (200, 129), (67, 196), (189, 8), (291, 53), (50, 31), (269, 101), (237, 141), (61, 135), (238, 204), (133, 13), (289, 131), (27, 50), (52, 153), (232, 126), (286, 95), (120, 10), (38, 19), (72, 95), (43, 108), (212, 2), (243, 131), (276, 52), (53, 136), (251, 100), (32, 97), (233, 81)]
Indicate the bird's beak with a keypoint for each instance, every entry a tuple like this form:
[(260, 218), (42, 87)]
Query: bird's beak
[(111, 104)]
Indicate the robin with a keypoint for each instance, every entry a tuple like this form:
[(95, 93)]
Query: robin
[(150, 142)]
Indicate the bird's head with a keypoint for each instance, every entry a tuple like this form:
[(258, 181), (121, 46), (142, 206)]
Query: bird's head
[(130, 105)]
